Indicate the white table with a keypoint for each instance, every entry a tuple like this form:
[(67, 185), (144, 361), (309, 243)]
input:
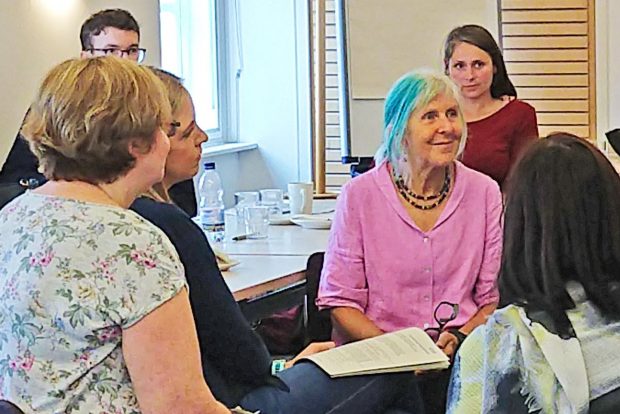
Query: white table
[(285, 240), (271, 274), (288, 240), (256, 275), (263, 285)]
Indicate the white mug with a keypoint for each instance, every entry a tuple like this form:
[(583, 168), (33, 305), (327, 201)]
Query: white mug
[(300, 197)]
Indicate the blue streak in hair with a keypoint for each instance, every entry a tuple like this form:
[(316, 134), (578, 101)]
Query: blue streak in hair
[(412, 91)]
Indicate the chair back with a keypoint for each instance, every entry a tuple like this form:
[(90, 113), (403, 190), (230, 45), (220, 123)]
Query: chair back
[(7, 407), (318, 325), (613, 137), (359, 165)]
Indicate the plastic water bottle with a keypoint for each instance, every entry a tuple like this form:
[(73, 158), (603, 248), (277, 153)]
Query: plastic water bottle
[(211, 206)]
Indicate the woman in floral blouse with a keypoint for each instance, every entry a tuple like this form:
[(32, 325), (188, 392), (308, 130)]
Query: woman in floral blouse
[(94, 310)]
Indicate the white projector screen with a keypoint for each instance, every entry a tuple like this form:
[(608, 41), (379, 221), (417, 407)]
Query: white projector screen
[(380, 40)]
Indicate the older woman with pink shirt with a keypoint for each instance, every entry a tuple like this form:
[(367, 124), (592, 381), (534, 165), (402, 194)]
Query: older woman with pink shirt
[(416, 241)]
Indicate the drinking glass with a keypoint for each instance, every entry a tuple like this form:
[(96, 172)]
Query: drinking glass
[(272, 199), (231, 224), (256, 222), (244, 199)]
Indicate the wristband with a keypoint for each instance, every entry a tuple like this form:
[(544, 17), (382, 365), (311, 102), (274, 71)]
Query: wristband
[(278, 365), (460, 336)]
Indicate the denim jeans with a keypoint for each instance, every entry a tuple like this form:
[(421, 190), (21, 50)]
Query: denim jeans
[(314, 392)]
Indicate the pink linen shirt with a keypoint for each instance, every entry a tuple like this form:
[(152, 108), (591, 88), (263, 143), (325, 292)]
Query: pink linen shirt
[(379, 262)]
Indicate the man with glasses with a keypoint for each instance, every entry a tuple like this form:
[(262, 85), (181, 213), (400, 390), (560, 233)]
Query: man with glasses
[(112, 31), (107, 32), (116, 32)]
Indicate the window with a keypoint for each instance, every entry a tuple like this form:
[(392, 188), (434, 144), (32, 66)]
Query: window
[(193, 47)]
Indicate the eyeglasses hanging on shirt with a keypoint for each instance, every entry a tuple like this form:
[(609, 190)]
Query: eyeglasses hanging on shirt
[(444, 313)]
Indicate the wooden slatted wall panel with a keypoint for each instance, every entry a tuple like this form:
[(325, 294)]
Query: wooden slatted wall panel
[(336, 174), (548, 47)]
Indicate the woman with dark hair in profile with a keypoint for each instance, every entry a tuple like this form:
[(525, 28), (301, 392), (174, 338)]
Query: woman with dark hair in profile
[(552, 347), (499, 125)]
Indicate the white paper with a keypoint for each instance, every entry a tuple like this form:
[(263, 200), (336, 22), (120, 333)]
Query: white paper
[(406, 350)]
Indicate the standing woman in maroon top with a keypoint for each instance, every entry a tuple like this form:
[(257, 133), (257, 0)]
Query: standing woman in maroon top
[(499, 125)]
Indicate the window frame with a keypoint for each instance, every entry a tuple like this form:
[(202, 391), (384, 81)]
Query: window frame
[(225, 132)]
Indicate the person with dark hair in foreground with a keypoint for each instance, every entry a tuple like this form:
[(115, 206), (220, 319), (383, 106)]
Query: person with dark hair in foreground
[(552, 346)]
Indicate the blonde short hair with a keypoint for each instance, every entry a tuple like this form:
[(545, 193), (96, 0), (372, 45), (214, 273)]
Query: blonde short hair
[(174, 87), (86, 114), (176, 94)]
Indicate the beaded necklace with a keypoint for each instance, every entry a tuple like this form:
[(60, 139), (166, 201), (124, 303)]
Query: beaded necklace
[(413, 198)]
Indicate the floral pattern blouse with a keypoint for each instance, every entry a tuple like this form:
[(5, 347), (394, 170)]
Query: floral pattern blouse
[(73, 275)]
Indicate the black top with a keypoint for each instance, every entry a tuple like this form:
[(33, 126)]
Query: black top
[(234, 358), (184, 196), (20, 163)]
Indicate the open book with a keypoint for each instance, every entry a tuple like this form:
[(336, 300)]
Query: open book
[(409, 349)]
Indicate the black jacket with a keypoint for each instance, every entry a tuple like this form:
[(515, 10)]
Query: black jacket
[(234, 358), (20, 163)]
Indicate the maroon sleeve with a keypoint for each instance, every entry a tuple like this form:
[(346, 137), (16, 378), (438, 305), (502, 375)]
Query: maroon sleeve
[(526, 131)]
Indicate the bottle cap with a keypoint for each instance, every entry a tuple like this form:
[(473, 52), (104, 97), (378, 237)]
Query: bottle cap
[(209, 165)]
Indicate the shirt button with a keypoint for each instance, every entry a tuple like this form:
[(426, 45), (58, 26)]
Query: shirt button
[(425, 240), (427, 269), (426, 298)]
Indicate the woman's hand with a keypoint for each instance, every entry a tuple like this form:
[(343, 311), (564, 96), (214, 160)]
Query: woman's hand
[(313, 348), (448, 343)]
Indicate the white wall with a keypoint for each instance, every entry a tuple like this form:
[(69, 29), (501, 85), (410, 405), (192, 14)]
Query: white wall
[(37, 34), (274, 77), (274, 88), (40, 33), (379, 52), (241, 171)]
